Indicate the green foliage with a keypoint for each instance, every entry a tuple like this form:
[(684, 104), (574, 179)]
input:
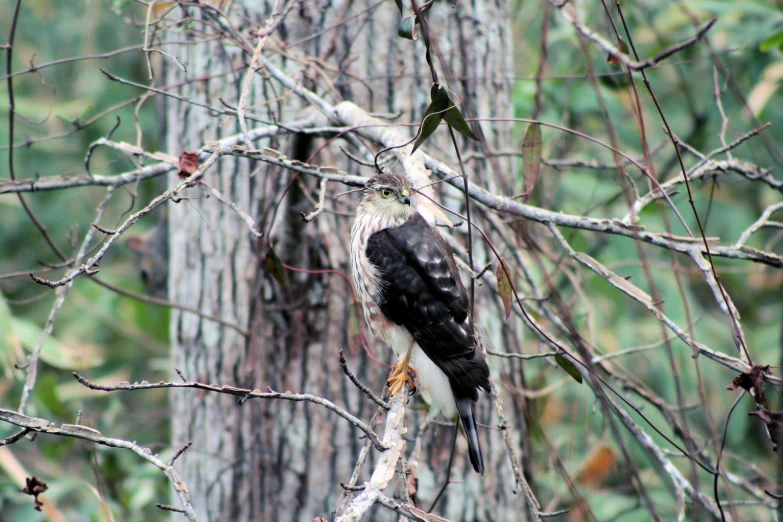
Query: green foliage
[(98, 332), (747, 38)]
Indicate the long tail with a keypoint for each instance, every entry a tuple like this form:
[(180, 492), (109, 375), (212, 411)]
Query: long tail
[(465, 409)]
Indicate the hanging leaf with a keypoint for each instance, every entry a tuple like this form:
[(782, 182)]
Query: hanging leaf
[(407, 28), (623, 48), (433, 116), (188, 164), (569, 367), (531, 156), (456, 121), (274, 266), (504, 289)]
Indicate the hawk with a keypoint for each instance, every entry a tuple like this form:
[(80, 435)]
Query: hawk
[(413, 300)]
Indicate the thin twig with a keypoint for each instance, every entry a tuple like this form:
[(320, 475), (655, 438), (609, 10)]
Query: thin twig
[(31, 365), (93, 435), (359, 384), (242, 393)]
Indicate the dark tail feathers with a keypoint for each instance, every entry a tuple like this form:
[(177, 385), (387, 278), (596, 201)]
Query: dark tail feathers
[(465, 409)]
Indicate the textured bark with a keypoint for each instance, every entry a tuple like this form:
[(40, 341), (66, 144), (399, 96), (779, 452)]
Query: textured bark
[(275, 460)]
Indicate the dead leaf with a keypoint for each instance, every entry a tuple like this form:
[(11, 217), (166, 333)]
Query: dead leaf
[(34, 487), (188, 164), (531, 157), (504, 288), (772, 421), (161, 8), (597, 466), (752, 381)]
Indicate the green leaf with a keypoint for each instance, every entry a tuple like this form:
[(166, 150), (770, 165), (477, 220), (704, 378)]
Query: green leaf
[(569, 367), (531, 156), (433, 116), (64, 355), (456, 121), (774, 41), (407, 28), (274, 266), (66, 119), (504, 288)]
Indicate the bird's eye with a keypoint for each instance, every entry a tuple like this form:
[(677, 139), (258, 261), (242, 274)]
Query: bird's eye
[(387, 193)]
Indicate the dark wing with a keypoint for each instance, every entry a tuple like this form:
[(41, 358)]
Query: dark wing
[(421, 290)]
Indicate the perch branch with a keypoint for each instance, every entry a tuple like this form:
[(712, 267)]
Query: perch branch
[(387, 463)]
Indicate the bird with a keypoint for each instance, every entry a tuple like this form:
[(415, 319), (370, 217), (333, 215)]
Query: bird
[(413, 300)]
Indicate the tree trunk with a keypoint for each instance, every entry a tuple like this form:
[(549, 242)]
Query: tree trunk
[(276, 460)]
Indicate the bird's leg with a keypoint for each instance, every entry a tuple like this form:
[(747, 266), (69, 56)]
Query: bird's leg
[(401, 373)]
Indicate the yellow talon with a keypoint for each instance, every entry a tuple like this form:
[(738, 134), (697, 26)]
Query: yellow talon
[(402, 373)]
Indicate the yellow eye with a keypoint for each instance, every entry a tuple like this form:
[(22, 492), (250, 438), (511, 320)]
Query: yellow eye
[(386, 193)]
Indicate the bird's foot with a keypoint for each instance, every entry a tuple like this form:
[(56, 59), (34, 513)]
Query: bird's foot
[(402, 373)]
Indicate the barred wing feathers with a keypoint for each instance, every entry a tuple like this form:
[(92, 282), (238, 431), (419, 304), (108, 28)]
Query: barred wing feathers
[(421, 291)]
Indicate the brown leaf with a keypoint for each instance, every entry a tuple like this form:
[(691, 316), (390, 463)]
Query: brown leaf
[(772, 421), (188, 164), (597, 466), (531, 157), (752, 381), (504, 288), (34, 487), (161, 8)]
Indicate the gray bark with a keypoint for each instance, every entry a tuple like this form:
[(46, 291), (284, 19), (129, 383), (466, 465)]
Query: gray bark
[(275, 460)]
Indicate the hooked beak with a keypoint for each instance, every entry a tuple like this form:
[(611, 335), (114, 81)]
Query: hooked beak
[(406, 200)]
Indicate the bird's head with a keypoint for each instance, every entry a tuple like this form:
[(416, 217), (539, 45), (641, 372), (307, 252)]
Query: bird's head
[(388, 196)]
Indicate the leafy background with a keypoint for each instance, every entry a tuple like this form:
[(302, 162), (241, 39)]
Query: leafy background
[(115, 338)]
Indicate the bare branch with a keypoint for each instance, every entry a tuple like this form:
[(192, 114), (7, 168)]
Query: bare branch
[(762, 221), (31, 365), (569, 13), (384, 470), (85, 433), (243, 393), (641, 297)]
